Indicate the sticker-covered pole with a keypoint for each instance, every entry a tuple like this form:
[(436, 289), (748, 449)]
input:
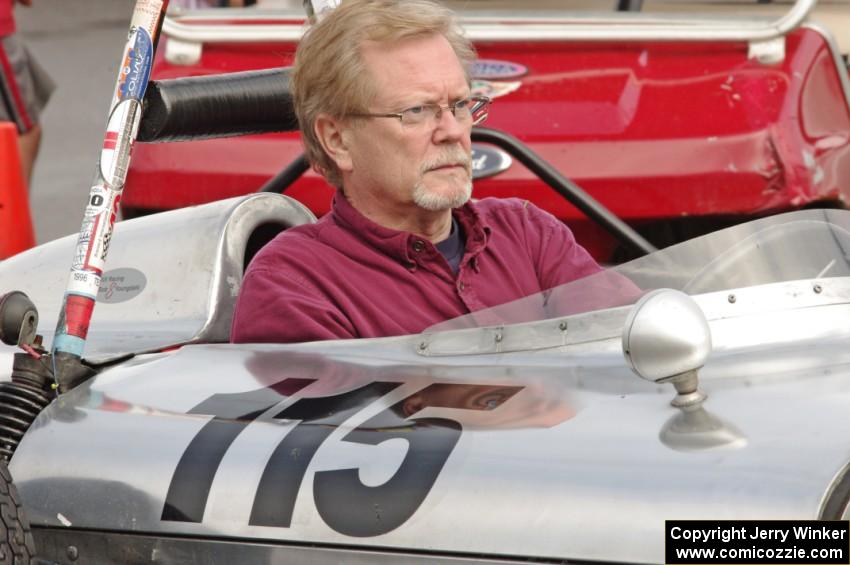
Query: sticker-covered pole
[(99, 218)]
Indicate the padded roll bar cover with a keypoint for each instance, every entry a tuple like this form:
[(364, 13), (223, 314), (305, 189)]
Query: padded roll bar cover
[(222, 105)]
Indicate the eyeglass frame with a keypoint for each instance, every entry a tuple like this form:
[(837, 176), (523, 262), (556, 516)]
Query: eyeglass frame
[(486, 101)]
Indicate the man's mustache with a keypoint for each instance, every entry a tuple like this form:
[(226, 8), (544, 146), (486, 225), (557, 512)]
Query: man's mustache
[(449, 156)]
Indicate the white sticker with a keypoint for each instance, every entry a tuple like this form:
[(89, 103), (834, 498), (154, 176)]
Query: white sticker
[(118, 139), (96, 230), (84, 283)]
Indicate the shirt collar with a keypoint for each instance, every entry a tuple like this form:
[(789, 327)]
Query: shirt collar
[(475, 228), (398, 244)]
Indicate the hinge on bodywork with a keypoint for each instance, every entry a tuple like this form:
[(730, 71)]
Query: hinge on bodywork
[(178, 52), (770, 52)]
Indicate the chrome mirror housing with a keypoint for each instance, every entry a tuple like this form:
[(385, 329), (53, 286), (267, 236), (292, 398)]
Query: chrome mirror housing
[(666, 338)]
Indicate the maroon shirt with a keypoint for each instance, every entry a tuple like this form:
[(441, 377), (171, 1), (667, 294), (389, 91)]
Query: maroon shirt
[(345, 276)]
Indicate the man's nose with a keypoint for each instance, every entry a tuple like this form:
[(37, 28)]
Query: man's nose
[(449, 128)]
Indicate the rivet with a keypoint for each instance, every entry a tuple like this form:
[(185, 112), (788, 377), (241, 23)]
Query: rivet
[(732, 299), (423, 346), (817, 288), (72, 552), (498, 338), (563, 326)]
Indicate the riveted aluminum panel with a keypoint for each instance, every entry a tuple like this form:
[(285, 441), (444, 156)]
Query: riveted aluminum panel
[(575, 454), (171, 278)]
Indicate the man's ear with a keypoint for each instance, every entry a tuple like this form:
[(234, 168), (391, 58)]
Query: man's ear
[(332, 135)]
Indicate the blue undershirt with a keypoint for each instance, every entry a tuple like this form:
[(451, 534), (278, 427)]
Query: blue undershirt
[(453, 247)]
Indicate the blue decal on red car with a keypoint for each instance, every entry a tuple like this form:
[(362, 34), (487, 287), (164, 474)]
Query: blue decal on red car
[(488, 161), (493, 69)]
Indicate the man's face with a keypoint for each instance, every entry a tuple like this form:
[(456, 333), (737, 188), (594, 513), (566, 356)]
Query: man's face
[(426, 164)]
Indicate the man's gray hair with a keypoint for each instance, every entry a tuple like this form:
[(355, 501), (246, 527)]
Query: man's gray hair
[(329, 75)]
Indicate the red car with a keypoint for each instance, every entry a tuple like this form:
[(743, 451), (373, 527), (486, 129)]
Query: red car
[(678, 124)]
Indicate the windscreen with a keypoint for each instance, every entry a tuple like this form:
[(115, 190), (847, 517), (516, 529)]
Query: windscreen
[(810, 244)]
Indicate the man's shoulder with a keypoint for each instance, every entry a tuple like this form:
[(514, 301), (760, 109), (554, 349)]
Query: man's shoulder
[(293, 245), (497, 206), (518, 217), (505, 210)]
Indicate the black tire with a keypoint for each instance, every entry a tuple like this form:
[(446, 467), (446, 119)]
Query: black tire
[(17, 546)]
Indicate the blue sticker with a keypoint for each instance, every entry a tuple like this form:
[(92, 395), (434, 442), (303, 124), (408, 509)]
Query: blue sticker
[(493, 69), (136, 67), (488, 161), (69, 344)]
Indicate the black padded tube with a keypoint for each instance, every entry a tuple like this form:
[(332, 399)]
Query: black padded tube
[(281, 181), (217, 106), (591, 207)]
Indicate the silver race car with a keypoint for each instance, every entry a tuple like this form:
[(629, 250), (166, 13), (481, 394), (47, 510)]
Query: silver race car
[(520, 432), (705, 381)]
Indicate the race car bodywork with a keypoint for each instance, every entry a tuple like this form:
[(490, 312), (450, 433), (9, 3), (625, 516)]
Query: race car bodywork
[(680, 123), (510, 434), (707, 380)]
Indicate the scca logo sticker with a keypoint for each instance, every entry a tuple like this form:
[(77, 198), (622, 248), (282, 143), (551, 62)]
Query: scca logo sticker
[(493, 69), (342, 500)]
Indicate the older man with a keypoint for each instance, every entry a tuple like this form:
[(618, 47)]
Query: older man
[(385, 108)]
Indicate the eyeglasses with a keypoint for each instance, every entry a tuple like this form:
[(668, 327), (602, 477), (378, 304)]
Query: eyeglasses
[(473, 109)]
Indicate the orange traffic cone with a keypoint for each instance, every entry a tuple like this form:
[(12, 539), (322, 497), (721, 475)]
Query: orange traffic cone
[(16, 231)]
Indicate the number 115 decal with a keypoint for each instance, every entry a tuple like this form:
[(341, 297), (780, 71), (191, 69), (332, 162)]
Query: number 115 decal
[(342, 500)]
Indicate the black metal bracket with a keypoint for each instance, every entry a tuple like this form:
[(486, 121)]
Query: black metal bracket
[(287, 176), (574, 194), (629, 5)]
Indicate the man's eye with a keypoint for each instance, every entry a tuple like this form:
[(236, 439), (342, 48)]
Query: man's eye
[(415, 111), (463, 104)]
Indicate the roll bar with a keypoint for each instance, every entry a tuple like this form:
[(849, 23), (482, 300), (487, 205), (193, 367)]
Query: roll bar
[(188, 39)]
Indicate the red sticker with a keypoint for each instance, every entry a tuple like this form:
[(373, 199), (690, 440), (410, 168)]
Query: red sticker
[(78, 311)]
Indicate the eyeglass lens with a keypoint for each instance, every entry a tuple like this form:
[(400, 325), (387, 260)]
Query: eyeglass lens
[(474, 109)]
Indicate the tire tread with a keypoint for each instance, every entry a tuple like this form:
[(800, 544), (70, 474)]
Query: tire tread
[(17, 546)]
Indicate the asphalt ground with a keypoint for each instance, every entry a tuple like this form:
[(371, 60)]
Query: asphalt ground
[(80, 43)]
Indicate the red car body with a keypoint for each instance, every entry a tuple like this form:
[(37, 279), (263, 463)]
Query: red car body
[(675, 137)]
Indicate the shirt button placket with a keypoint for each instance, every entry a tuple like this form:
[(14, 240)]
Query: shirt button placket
[(468, 296)]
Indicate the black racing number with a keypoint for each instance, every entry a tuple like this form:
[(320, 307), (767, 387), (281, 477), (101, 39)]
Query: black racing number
[(193, 477), (342, 500), (318, 417), (352, 508)]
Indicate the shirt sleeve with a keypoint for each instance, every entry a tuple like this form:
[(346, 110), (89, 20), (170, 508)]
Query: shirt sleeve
[(560, 259), (557, 256), (277, 307)]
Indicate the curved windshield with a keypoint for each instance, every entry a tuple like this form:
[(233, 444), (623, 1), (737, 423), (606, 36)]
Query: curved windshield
[(810, 244)]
